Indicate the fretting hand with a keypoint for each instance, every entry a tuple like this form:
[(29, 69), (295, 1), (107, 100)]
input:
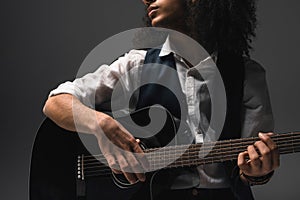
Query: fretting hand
[(260, 162)]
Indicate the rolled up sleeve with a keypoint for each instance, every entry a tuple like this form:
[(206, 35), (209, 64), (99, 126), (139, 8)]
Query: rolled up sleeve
[(257, 110), (97, 87)]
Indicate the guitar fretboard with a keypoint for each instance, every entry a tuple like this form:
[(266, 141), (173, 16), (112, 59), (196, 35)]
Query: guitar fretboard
[(193, 154)]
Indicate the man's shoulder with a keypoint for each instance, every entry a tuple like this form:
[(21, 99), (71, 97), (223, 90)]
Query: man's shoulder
[(130, 59), (253, 67), (137, 53)]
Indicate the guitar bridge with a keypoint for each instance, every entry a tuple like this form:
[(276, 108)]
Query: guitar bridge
[(80, 182), (80, 168)]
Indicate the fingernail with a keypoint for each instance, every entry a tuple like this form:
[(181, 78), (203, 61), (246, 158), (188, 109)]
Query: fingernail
[(261, 135)]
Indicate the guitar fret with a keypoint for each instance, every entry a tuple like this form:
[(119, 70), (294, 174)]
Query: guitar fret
[(174, 155), (159, 158), (150, 158), (230, 142), (293, 142), (202, 149), (154, 163), (182, 162), (220, 150), (189, 156)]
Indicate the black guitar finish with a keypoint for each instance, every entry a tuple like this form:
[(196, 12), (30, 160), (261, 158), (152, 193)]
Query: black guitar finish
[(54, 172)]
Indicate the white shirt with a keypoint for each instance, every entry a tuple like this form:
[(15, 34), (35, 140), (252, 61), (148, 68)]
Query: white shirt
[(97, 88)]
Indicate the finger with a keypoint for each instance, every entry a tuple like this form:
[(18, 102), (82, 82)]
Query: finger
[(116, 171), (242, 161), (131, 167), (125, 133), (136, 159), (141, 176), (125, 168), (254, 158), (269, 133), (267, 139), (135, 167), (140, 156), (131, 178), (266, 156), (135, 146), (111, 161), (273, 148)]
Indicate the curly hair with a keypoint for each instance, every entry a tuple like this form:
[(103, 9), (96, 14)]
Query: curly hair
[(222, 25)]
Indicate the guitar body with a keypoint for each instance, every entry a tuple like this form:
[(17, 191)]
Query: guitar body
[(54, 171), (54, 166)]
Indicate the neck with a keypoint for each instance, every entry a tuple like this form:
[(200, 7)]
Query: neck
[(186, 47)]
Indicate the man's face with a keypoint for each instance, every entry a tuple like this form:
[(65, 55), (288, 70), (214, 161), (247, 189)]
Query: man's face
[(167, 13)]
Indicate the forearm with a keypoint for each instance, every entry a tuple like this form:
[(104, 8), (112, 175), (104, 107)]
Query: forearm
[(69, 113)]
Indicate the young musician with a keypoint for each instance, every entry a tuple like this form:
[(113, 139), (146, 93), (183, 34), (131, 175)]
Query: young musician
[(225, 29)]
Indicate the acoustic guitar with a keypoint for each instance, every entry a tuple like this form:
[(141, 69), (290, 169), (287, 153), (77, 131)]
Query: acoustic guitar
[(63, 169)]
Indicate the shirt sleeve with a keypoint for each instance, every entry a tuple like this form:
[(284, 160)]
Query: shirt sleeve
[(257, 111), (97, 87)]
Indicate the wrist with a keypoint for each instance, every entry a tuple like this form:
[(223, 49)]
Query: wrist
[(103, 124), (256, 180)]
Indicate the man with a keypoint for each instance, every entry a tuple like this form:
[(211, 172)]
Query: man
[(224, 28)]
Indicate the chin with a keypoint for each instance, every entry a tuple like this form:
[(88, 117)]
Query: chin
[(157, 22)]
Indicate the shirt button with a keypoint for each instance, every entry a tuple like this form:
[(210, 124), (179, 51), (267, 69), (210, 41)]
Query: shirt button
[(194, 192)]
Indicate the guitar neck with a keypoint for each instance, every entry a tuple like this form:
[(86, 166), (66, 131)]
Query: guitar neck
[(193, 154), (215, 152)]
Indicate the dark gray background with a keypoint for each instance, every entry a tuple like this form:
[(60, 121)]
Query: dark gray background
[(43, 43)]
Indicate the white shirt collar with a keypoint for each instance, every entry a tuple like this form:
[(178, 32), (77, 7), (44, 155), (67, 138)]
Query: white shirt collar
[(167, 48)]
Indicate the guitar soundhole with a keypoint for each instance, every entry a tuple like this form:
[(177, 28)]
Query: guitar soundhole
[(121, 181)]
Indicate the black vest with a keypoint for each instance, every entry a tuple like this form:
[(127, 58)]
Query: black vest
[(232, 70), (165, 89)]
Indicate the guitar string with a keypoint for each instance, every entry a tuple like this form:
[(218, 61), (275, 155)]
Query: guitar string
[(187, 157), (288, 149), (205, 149), (197, 163), (213, 157), (107, 171), (191, 151), (209, 145)]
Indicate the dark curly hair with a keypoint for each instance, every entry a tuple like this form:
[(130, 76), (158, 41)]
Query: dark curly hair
[(222, 25)]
